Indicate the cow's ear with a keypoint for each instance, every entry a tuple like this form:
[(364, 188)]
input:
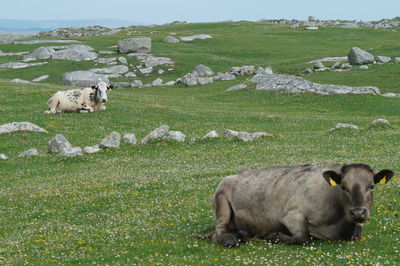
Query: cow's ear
[(383, 176), (110, 87), (94, 87), (332, 177)]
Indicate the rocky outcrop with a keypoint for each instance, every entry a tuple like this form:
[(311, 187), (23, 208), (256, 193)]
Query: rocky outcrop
[(75, 52), (135, 45), (292, 84), (83, 78)]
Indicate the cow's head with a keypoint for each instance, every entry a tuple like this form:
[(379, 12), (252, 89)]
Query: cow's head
[(356, 185), (101, 91)]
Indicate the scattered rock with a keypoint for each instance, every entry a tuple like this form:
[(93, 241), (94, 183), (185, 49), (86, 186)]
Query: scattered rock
[(3, 156), (136, 84), (312, 28), (190, 79), (237, 87), (58, 144), (287, 83), (341, 126), (160, 71), (137, 44), (211, 135), (170, 83), (30, 152), (20, 81), (244, 136), (153, 61), (40, 78), (201, 70), (130, 75), (391, 94), (243, 70), (175, 135), (109, 60), (106, 52), (157, 82), (380, 122), (122, 60), (20, 65), (224, 76), (267, 70), (83, 78), (204, 81), (12, 53), (382, 59), (111, 141), (71, 152), (194, 37), (146, 70), (170, 39), (257, 135), (308, 71), (130, 138), (336, 65), (91, 149), (157, 133), (329, 59), (119, 69), (119, 85), (319, 65), (363, 67), (396, 60), (20, 126), (358, 56), (345, 66), (75, 52)]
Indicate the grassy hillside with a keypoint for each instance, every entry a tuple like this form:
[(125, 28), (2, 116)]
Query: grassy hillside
[(147, 204)]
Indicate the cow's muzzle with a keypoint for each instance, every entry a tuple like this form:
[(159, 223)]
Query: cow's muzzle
[(358, 215)]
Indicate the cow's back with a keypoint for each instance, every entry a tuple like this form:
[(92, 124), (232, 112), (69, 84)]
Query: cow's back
[(260, 197)]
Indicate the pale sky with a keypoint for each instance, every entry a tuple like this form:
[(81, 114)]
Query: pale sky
[(163, 11)]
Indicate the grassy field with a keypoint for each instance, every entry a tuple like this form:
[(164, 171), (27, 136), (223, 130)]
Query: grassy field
[(148, 204)]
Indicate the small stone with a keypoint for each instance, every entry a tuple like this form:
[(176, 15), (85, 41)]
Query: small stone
[(379, 122), (192, 140), (237, 87), (308, 71), (382, 59), (203, 81), (202, 70), (257, 135), (170, 83), (40, 78), (130, 75), (243, 70), (319, 65), (224, 76), (136, 84), (30, 152), (396, 60), (312, 28), (171, 39), (160, 71), (3, 156), (341, 126), (363, 67), (122, 60), (267, 70), (211, 135), (111, 141), (157, 82), (391, 94), (20, 81), (156, 134), (71, 152), (91, 149), (58, 144), (345, 66), (175, 135), (130, 138), (146, 70)]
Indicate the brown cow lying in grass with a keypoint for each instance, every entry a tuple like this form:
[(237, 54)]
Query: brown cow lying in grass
[(83, 100), (290, 204)]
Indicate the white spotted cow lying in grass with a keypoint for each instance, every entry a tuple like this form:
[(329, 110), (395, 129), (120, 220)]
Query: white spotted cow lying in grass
[(291, 204), (83, 100)]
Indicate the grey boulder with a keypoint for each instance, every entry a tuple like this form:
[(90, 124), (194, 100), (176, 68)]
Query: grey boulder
[(137, 44), (83, 78), (171, 39), (358, 56), (112, 141), (202, 70), (71, 152), (224, 76), (211, 135), (130, 138), (20, 126), (40, 53), (293, 84), (58, 144), (157, 133), (382, 59), (91, 149), (153, 61), (175, 135)]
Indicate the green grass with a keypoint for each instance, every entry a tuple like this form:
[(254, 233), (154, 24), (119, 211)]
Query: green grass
[(147, 204)]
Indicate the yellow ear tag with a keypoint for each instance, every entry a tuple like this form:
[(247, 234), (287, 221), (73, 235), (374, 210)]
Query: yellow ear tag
[(383, 180), (332, 182)]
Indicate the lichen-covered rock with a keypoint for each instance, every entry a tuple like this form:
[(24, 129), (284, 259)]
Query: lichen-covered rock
[(58, 144), (157, 133), (20, 126), (112, 141), (358, 56), (130, 138)]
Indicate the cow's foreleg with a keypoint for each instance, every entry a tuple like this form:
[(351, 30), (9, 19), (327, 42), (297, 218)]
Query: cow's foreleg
[(85, 108), (358, 232), (296, 224), (223, 214)]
